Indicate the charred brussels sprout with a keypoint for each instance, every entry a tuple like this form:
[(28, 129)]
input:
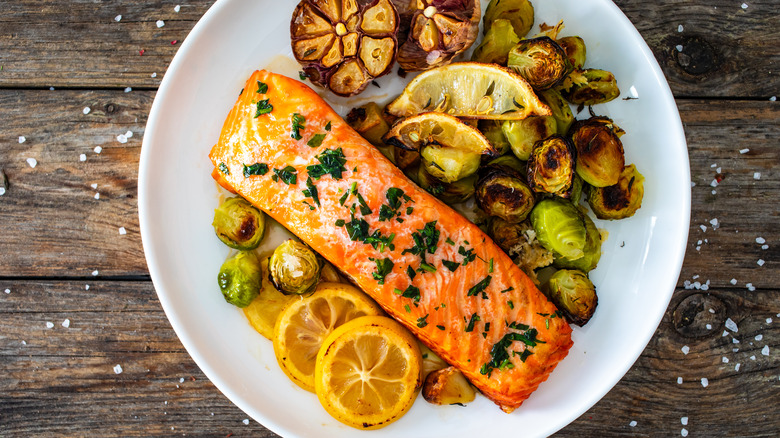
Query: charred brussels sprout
[(519, 241), (240, 278), (449, 164), (577, 186), (501, 192), (589, 87), (574, 294), (498, 41), (239, 224), (591, 253), (367, 120), (294, 268), (450, 193), (600, 157), (621, 200), (344, 45), (519, 12), (523, 134), (574, 47), (540, 61), (491, 129), (561, 110), (551, 166), (559, 227)]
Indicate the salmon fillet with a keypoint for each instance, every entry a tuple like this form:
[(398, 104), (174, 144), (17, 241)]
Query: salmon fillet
[(290, 154)]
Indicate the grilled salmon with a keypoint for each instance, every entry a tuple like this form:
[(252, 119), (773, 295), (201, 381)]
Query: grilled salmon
[(285, 150)]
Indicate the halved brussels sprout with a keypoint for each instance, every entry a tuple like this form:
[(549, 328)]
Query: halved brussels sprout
[(559, 227), (498, 41), (551, 166), (491, 129), (438, 30), (519, 12), (600, 156), (449, 164), (519, 241), (367, 120), (523, 134), (500, 191), (541, 61), (451, 193), (592, 250), (574, 47), (240, 278), (239, 224), (574, 295), (561, 110), (621, 200), (589, 87), (344, 45), (294, 268)]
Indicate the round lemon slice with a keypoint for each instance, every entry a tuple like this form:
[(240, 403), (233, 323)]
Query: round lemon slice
[(306, 321), (368, 372), (470, 89)]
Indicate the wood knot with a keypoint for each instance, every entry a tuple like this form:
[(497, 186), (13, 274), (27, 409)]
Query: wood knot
[(697, 56), (699, 315), (110, 108)]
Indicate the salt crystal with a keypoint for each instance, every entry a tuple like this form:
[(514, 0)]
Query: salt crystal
[(773, 98), (703, 228), (51, 88), (711, 310), (760, 262), (724, 359), (128, 89), (98, 149), (86, 110), (684, 432), (733, 281), (685, 349), (768, 320), (744, 6), (32, 162), (693, 184), (735, 350), (714, 165), (744, 151), (95, 273), (704, 382), (750, 287), (718, 170), (118, 18), (24, 342), (731, 325), (679, 47), (765, 350), (756, 175), (736, 367), (632, 423), (86, 287), (759, 337), (121, 138), (176, 8), (714, 183), (160, 23), (246, 421), (83, 157), (49, 324), (22, 139), (709, 326), (705, 287), (2, 191), (714, 192), (696, 276), (735, 341), (97, 195), (181, 379), (680, 28), (714, 223), (684, 421), (752, 357), (679, 380), (698, 248), (764, 246), (154, 75), (118, 369), (66, 323), (725, 333), (8, 291), (93, 185), (129, 134), (122, 230)]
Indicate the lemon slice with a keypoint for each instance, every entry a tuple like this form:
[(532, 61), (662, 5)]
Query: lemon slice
[(306, 321), (470, 89), (368, 372), (263, 311)]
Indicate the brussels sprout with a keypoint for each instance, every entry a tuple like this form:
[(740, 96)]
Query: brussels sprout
[(574, 295), (561, 110), (551, 166), (574, 47), (450, 193), (294, 268), (498, 41), (540, 61), (494, 134), (592, 251), (519, 12), (239, 224), (589, 87), (523, 134), (621, 200), (519, 241), (559, 227), (600, 157), (577, 186), (449, 164), (240, 278), (509, 160), (500, 191)]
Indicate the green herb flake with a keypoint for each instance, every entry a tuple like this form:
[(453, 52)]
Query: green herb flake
[(452, 266), (340, 222), (425, 240), (331, 162), (343, 198), (357, 229), (302, 75), (288, 175), (490, 266), (327, 126), (409, 210), (315, 140), (500, 354), (422, 321), (410, 272), (480, 287), (311, 191), (468, 255), (440, 327), (263, 107), (262, 87), (470, 323), (297, 125), (383, 267), (364, 209), (512, 305), (450, 242), (224, 169), (255, 169), (410, 292), (427, 267), (407, 308), (510, 288)]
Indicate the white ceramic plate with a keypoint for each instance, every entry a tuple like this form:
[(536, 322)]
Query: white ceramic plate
[(635, 278)]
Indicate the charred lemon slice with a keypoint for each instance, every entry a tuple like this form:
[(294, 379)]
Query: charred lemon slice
[(368, 372), (305, 322), (470, 89)]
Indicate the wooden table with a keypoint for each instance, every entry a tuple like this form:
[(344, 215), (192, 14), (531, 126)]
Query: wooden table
[(79, 302)]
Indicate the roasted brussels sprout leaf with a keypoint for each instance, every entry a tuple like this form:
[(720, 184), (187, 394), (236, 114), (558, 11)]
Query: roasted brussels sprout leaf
[(559, 227), (238, 224), (448, 386), (541, 61), (294, 268), (240, 278), (344, 45), (523, 134), (551, 166), (500, 191), (451, 193), (519, 12), (591, 253), (574, 295), (574, 47), (600, 156), (560, 109), (498, 41), (519, 241), (438, 30), (621, 200), (589, 87)]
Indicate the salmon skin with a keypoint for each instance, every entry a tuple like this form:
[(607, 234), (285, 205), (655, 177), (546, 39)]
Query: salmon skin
[(286, 151)]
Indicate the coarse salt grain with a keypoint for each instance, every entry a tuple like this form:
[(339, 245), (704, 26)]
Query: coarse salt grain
[(768, 320), (680, 28), (693, 184), (684, 421), (703, 228), (66, 323), (86, 110), (709, 326), (711, 310), (725, 333), (714, 192), (118, 18), (733, 281), (679, 47), (744, 6), (97, 195), (714, 183), (731, 325), (760, 240), (176, 8), (160, 23), (8, 291), (86, 287), (122, 230), (718, 170), (724, 359), (765, 350), (679, 380), (32, 162), (735, 341), (98, 149), (246, 421), (756, 175), (750, 287), (154, 75), (83, 157), (129, 134), (714, 223), (736, 367), (118, 369), (759, 337), (121, 138), (95, 273), (744, 151), (773, 98), (181, 379), (93, 185), (684, 432), (753, 357), (49, 324), (128, 89), (22, 139), (760, 262), (632, 423), (704, 382), (685, 349)]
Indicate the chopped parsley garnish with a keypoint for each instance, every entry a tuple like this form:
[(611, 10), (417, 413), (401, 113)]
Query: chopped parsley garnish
[(378, 241), (364, 209), (410, 292), (297, 125), (468, 255), (449, 241), (327, 126), (224, 169), (357, 229), (262, 87), (440, 327), (510, 288), (407, 308), (425, 240), (331, 162), (452, 266), (421, 321), (470, 325), (263, 107), (500, 353), (409, 210), (517, 326), (311, 191), (410, 272), (427, 267), (386, 213), (511, 304), (302, 75), (315, 140), (383, 267), (288, 175), (340, 222), (311, 207), (480, 287), (490, 266), (395, 198), (255, 169)]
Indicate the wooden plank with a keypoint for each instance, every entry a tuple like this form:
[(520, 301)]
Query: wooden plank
[(79, 44), (62, 379)]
